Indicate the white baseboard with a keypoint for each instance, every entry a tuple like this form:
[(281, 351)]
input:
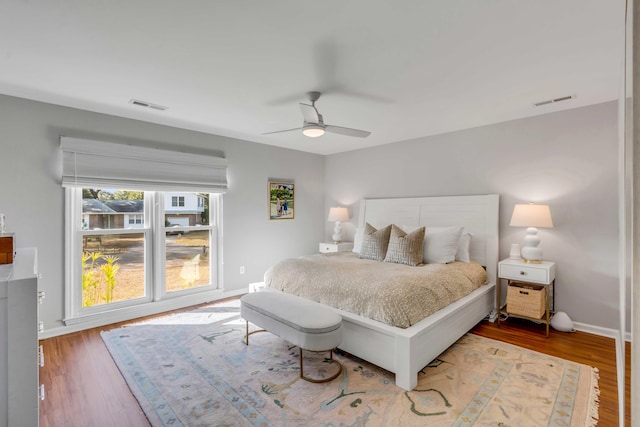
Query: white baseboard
[(598, 330), (142, 310)]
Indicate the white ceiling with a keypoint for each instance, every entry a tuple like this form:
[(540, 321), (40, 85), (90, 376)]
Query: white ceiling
[(400, 69)]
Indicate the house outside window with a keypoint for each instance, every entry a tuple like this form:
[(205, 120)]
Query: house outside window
[(186, 209)]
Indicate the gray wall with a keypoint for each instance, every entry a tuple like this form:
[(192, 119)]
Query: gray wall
[(33, 200), (567, 160)]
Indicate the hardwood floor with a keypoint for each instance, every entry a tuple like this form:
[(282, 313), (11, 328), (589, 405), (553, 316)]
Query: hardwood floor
[(84, 387)]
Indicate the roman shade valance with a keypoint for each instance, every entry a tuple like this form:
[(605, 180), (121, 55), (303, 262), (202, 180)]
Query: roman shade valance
[(97, 164)]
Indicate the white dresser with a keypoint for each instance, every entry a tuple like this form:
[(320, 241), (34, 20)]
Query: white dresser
[(19, 351)]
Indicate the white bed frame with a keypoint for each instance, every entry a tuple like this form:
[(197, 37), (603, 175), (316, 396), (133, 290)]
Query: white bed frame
[(406, 351)]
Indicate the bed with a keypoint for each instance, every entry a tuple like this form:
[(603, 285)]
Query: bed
[(408, 349)]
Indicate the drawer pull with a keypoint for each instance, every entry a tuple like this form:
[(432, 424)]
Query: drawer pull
[(40, 356), (523, 273)]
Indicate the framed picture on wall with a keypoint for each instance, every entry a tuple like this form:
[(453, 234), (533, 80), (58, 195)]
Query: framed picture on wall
[(281, 200)]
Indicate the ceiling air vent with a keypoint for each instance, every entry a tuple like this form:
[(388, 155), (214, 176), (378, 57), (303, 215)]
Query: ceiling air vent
[(147, 104), (553, 101)]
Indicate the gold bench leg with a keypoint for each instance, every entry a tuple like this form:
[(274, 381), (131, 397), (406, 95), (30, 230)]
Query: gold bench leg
[(246, 336), (325, 380), (311, 380)]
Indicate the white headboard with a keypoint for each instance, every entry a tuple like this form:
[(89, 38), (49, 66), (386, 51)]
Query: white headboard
[(478, 215)]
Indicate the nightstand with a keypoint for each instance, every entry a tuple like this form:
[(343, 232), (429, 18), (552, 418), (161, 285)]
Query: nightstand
[(256, 287), (520, 272), (326, 248)]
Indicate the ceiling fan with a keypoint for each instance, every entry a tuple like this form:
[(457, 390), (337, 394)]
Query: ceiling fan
[(314, 126)]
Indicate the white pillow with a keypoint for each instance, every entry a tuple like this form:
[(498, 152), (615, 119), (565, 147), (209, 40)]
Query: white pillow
[(441, 244), (462, 254), (357, 241)]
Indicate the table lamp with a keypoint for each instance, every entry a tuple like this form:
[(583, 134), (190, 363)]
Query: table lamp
[(531, 216), (338, 215)]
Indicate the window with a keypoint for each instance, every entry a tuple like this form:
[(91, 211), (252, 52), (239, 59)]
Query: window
[(125, 245), (120, 263), (187, 247), (135, 219)]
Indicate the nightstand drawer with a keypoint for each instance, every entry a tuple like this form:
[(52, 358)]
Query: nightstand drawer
[(326, 248), (525, 273)]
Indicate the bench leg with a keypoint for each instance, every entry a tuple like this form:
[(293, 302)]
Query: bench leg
[(325, 380), (246, 337)]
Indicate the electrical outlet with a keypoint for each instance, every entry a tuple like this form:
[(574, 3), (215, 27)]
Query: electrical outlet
[(242, 269)]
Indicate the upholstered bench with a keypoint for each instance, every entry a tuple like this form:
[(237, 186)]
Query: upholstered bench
[(303, 323)]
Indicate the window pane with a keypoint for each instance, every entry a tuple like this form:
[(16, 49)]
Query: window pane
[(187, 261), (112, 268), (186, 209), (104, 209)]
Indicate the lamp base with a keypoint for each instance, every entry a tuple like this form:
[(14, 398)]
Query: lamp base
[(337, 233), (531, 254)]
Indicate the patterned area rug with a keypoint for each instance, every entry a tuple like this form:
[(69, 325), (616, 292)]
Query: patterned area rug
[(192, 369)]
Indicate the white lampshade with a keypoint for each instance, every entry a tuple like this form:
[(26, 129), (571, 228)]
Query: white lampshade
[(338, 215), (531, 216)]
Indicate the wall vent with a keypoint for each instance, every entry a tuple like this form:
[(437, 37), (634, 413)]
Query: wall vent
[(147, 104), (553, 101)]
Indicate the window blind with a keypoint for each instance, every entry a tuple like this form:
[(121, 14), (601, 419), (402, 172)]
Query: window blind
[(97, 164)]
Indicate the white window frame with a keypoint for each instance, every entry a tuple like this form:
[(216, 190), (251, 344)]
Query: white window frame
[(154, 232), (98, 164), (160, 248)]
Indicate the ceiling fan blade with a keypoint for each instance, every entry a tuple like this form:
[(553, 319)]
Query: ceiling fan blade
[(310, 113), (347, 131), (284, 100), (282, 131)]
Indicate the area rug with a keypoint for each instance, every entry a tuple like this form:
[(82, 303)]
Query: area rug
[(193, 369)]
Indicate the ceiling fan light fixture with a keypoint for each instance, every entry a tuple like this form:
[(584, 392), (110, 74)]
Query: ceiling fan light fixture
[(313, 131)]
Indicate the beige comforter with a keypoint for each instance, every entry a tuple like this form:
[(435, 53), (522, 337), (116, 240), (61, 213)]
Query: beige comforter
[(395, 294)]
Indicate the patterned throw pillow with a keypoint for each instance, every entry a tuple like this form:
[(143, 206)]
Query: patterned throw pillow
[(374, 242), (405, 248)]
